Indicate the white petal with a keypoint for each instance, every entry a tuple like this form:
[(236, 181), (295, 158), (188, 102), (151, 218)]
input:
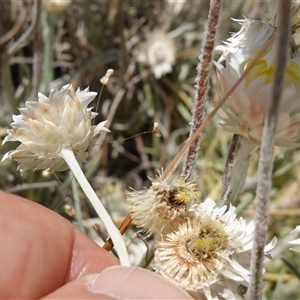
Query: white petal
[(100, 128)]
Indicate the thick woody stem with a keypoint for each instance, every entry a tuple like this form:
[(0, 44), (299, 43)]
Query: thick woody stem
[(202, 84), (266, 154)]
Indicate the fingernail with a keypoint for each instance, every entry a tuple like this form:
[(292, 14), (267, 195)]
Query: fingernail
[(133, 283)]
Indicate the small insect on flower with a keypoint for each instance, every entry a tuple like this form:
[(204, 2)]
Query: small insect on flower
[(154, 208), (207, 251)]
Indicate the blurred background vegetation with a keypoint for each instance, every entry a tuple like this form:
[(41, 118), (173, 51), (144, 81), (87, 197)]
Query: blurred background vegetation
[(153, 47)]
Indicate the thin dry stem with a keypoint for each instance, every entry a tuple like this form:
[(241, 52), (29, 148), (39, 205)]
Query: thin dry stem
[(177, 159), (202, 84), (266, 154), (18, 44), (37, 62), (16, 28)]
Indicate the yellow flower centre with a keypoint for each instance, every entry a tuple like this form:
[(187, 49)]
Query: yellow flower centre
[(184, 193), (262, 69), (211, 239)]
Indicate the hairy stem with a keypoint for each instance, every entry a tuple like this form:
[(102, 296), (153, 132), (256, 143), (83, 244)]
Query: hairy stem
[(266, 154), (69, 157), (202, 84), (177, 159)]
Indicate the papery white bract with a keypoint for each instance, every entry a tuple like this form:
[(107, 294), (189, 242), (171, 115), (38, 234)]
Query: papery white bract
[(207, 252), (45, 126), (295, 243)]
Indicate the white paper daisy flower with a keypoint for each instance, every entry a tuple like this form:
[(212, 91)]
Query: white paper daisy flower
[(158, 51), (44, 127), (245, 111), (207, 252), (55, 133)]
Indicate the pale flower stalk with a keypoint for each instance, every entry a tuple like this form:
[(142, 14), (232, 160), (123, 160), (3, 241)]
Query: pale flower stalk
[(55, 133)]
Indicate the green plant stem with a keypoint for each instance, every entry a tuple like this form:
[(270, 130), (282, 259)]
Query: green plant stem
[(239, 171), (69, 157), (8, 87), (233, 148)]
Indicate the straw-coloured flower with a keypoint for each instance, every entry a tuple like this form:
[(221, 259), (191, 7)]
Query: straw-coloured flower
[(154, 208), (207, 251), (158, 52), (56, 5), (55, 133), (46, 126), (295, 243), (245, 111)]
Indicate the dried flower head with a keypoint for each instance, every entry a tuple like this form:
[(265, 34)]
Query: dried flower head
[(295, 243), (56, 5), (46, 126), (104, 80), (207, 251), (245, 111), (158, 52), (153, 208)]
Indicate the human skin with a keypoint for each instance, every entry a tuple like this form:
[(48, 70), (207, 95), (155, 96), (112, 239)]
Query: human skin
[(42, 255)]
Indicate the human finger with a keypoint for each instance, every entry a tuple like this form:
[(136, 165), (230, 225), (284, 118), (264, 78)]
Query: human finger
[(41, 251), (120, 282)]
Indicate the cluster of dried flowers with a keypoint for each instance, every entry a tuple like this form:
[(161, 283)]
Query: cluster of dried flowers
[(201, 247)]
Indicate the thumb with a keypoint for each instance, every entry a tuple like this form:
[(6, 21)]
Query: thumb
[(119, 283)]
